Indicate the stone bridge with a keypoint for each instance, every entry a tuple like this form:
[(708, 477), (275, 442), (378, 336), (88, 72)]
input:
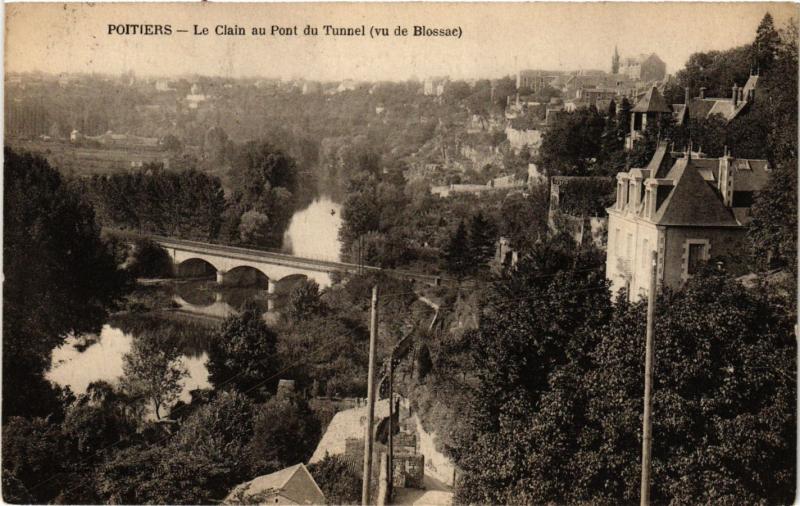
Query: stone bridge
[(234, 265)]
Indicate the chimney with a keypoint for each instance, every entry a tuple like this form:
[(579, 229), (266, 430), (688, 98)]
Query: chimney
[(735, 95), (726, 178), (686, 96), (702, 92)]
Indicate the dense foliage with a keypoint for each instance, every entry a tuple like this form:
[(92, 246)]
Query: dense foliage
[(186, 204), (337, 479), (243, 356), (59, 277), (553, 412)]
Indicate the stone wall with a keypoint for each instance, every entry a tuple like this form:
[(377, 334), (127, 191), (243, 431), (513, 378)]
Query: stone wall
[(409, 471)]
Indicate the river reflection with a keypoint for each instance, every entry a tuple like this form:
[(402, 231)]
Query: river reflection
[(207, 298), (198, 306), (102, 360)]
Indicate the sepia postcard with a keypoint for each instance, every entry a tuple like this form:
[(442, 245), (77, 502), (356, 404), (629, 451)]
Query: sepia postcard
[(400, 253)]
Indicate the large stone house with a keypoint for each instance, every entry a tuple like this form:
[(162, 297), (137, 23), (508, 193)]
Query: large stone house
[(728, 108), (687, 209), (645, 67)]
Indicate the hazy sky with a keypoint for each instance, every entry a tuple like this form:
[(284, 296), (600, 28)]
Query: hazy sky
[(497, 38)]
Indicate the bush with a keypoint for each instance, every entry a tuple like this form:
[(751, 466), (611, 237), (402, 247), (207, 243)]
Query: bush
[(149, 260), (340, 483)]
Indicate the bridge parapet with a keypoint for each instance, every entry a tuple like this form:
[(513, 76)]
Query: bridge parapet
[(274, 265)]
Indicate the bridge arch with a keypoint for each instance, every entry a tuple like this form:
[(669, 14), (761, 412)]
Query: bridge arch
[(287, 283), (246, 275), (224, 260), (195, 267)]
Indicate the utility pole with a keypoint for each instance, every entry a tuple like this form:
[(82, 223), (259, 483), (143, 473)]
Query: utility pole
[(647, 436), (373, 331), (390, 473)]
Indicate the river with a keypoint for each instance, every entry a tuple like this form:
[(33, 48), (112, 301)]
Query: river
[(312, 233)]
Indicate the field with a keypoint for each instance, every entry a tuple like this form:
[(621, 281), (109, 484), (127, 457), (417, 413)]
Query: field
[(84, 161)]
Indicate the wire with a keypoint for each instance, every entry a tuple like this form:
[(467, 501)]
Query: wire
[(495, 303)]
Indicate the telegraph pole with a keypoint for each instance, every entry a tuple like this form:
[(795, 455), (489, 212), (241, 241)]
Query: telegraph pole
[(390, 473), (647, 436), (373, 331)]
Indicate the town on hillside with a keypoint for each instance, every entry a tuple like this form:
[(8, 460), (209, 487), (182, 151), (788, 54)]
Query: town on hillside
[(405, 279)]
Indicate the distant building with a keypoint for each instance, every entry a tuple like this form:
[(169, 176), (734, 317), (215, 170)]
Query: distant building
[(110, 139), (728, 108), (434, 86), (553, 109), (535, 80), (195, 96), (644, 67), (346, 85), (687, 210), (499, 183), (312, 88), (162, 85), (648, 110), (293, 485)]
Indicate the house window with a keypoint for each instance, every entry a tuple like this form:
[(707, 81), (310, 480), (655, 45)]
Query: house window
[(645, 255), (629, 249), (695, 252)]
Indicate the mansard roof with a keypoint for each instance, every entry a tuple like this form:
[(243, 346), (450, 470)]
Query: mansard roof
[(692, 201)]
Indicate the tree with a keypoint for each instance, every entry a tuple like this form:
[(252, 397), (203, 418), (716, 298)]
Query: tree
[(482, 237), (149, 260), (304, 301), (533, 323), (773, 231), (29, 466), (724, 405), (243, 356), (59, 278), (571, 145), (132, 476), (328, 350), (254, 228), (338, 481), (765, 46), (524, 219), (153, 371), (198, 465), (724, 371), (424, 362), (457, 258), (171, 143), (285, 432), (209, 455)]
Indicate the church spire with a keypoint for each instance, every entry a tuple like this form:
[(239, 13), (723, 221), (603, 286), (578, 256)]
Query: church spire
[(615, 61)]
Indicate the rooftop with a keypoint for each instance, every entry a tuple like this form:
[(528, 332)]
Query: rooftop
[(652, 101)]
